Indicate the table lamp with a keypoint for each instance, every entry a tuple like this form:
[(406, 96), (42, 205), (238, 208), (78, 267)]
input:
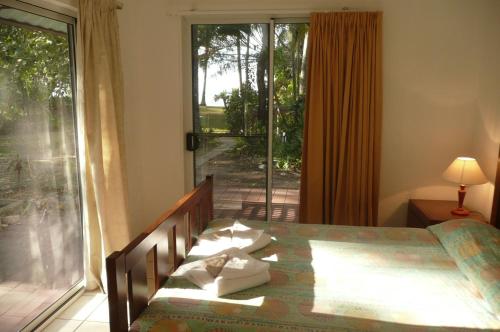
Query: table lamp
[(465, 171)]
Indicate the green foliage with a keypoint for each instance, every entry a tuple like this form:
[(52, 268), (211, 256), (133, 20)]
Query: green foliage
[(287, 140), (251, 147), (34, 75), (289, 95), (245, 108), (241, 111)]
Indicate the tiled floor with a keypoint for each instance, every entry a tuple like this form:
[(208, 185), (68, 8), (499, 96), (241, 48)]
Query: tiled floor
[(87, 313)]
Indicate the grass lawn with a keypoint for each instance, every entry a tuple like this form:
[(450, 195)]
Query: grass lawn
[(213, 119)]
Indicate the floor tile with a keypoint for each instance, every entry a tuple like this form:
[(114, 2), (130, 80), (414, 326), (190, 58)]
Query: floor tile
[(63, 325), (100, 314), (4, 290), (83, 307), (93, 327)]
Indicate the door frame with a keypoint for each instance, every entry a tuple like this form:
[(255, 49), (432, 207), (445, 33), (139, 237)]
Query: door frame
[(187, 21)]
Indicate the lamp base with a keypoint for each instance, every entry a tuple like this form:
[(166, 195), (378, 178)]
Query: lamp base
[(460, 212)]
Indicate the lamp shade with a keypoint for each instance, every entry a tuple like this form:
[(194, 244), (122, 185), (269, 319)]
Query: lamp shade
[(466, 171)]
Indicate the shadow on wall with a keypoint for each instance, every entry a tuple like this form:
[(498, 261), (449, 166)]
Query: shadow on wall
[(438, 106), (419, 142)]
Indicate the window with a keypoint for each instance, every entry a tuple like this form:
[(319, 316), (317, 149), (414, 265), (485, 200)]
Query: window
[(40, 204)]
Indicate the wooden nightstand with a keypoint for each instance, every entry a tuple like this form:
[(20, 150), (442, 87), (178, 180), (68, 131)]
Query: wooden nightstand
[(425, 212)]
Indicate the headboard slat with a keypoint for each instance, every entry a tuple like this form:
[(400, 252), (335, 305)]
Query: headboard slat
[(117, 290), (138, 288), (161, 262)]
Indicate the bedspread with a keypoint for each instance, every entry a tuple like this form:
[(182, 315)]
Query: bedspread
[(332, 278)]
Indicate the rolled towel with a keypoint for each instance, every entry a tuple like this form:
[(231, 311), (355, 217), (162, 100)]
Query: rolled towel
[(237, 236), (240, 272)]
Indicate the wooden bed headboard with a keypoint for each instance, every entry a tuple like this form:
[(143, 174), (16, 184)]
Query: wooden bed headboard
[(169, 239)]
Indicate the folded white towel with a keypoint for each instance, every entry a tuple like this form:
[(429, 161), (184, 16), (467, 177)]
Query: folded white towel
[(237, 236), (241, 271), (223, 287)]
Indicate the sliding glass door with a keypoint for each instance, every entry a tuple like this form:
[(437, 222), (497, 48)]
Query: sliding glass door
[(251, 146), (289, 68), (41, 255), (230, 112)]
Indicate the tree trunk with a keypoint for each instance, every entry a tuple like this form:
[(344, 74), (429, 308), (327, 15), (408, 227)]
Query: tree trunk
[(262, 65), (205, 69), (247, 60), (240, 69), (196, 107), (294, 61), (300, 60)]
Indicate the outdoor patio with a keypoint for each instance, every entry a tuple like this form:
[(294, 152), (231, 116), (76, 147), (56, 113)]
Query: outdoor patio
[(250, 203), (240, 183)]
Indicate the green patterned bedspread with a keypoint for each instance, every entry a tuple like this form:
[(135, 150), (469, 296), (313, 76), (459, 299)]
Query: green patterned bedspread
[(333, 278)]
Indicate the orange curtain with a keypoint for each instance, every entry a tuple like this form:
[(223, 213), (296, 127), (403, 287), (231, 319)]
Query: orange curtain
[(341, 150)]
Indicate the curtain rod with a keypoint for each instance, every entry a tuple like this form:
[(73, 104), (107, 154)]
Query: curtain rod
[(262, 11)]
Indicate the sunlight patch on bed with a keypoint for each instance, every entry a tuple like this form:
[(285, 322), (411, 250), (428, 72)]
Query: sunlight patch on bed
[(350, 282), (202, 295)]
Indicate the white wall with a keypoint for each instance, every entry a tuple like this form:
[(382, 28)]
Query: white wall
[(487, 134), (153, 112), (433, 54), (440, 92)]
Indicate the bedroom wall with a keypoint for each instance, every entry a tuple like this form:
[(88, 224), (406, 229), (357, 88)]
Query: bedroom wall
[(437, 60), (487, 137), (153, 111)]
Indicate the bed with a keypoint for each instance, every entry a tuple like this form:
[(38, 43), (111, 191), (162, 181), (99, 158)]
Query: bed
[(323, 278)]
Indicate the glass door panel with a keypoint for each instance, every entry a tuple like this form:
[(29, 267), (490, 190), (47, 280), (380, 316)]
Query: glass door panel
[(41, 255), (230, 115), (289, 66)]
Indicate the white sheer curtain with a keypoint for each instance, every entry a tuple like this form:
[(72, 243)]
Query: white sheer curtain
[(101, 103)]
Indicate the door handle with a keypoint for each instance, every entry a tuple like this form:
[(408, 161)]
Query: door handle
[(192, 141)]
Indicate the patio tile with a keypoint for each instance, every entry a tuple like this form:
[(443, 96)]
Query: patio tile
[(11, 299), (26, 305), (11, 323), (9, 284), (279, 198), (27, 287), (292, 199)]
